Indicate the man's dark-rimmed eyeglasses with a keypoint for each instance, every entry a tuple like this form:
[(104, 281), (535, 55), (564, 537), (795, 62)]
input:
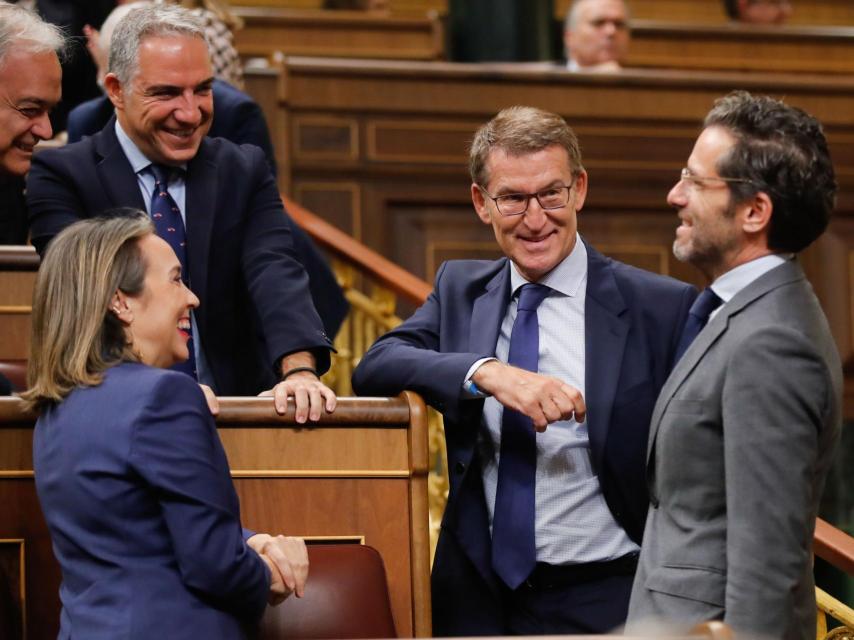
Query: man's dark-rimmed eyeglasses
[(515, 204)]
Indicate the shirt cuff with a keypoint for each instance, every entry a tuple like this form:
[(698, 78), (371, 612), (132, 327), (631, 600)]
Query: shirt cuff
[(470, 389)]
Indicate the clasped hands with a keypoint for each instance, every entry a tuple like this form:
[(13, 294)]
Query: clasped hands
[(287, 559), (543, 399)]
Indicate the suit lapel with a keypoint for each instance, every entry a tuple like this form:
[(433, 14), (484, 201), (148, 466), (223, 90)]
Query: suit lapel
[(790, 271), (488, 312), (605, 340), (117, 178), (201, 202)]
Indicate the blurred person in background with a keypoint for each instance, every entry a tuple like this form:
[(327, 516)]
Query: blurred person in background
[(759, 11), (596, 35)]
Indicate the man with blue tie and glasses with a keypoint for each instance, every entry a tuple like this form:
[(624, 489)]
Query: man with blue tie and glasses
[(546, 365), (215, 203)]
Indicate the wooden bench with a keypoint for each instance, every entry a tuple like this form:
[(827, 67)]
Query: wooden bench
[(741, 47), (348, 34), (358, 477)]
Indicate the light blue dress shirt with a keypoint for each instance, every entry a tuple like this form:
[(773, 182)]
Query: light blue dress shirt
[(573, 522), (734, 280), (178, 190)]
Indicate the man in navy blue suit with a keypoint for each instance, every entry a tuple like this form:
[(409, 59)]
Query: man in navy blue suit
[(238, 118), (564, 434), (259, 325)]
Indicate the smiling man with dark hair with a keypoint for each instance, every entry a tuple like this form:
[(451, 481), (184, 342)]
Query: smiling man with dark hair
[(744, 430)]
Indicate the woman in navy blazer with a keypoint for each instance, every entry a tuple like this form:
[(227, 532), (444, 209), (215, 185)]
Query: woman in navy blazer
[(129, 469)]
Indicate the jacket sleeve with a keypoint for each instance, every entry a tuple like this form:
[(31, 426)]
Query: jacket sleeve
[(410, 357), (52, 198), (275, 278), (776, 400), (176, 449)]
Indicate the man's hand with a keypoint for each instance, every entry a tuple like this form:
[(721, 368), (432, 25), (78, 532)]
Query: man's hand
[(210, 397), (287, 558), (310, 395), (542, 398)]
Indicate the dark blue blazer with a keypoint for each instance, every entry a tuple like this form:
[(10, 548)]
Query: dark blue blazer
[(237, 117), (145, 523), (255, 302), (633, 320)]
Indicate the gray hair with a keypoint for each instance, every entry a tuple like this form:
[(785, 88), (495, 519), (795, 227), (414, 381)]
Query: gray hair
[(24, 31), (146, 22), (572, 14)]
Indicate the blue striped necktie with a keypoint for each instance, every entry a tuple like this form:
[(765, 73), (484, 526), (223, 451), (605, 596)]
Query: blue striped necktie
[(170, 227), (514, 552)]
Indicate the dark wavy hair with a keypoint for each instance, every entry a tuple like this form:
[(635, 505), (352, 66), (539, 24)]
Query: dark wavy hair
[(782, 151)]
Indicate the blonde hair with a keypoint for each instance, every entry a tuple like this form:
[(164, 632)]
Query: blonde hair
[(75, 337)]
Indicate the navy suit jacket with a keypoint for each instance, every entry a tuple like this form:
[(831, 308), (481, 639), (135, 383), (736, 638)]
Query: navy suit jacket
[(255, 302), (633, 320), (145, 523), (237, 117)]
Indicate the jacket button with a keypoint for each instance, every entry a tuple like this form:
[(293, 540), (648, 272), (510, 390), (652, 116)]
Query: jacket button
[(459, 467)]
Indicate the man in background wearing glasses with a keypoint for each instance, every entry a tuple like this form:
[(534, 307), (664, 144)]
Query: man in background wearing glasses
[(743, 433), (546, 364)]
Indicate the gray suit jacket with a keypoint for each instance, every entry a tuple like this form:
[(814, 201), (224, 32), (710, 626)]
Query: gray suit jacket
[(741, 440)]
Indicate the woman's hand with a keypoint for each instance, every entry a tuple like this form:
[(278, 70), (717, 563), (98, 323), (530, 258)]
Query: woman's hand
[(287, 558)]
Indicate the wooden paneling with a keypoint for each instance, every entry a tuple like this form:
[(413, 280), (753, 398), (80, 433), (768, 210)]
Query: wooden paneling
[(18, 265), (739, 47), (349, 34), (637, 128), (807, 12), (360, 475)]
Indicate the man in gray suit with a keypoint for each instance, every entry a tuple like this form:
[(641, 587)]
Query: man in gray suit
[(742, 434)]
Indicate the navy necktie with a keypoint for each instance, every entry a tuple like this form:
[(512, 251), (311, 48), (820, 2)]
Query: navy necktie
[(170, 227), (514, 553), (698, 316)]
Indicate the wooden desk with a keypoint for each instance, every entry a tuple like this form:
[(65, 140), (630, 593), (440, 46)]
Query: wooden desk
[(359, 475), (18, 266), (379, 149), (807, 12), (348, 34), (740, 47)]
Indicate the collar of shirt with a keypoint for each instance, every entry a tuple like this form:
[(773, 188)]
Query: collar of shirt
[(734, 280), (138, 160), (566, 277), (139, 163)]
